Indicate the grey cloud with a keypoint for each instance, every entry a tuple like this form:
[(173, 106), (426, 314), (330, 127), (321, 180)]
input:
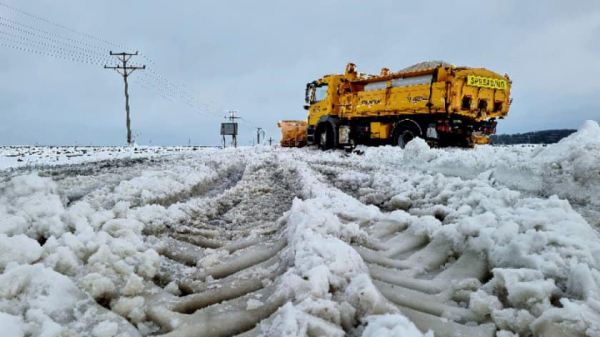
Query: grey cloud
[(257, 56)]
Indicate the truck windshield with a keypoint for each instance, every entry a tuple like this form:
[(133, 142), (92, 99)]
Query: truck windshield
[(320, 93)]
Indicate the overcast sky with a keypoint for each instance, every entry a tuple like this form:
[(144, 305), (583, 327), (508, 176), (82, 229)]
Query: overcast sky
[(257, 56)]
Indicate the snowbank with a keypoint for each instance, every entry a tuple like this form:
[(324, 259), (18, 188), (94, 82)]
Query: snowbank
[(568, 169), (35, 300), (538, 249), (49, 254), (30, 205)]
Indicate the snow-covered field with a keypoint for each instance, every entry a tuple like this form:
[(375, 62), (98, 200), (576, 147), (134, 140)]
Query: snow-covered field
[(294, 242), (32, 156)]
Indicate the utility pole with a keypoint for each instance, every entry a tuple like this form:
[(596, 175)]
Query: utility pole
[(258, 130), (231, 128), (125, 70)]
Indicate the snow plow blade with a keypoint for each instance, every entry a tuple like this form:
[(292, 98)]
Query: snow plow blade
[(293, 133)]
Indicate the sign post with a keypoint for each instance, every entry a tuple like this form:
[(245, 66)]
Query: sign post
[(230, 129)]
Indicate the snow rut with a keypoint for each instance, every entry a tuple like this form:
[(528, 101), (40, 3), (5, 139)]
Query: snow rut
[(219, 268), (212, 221), (78, 180), (421, 277), (268, 242), (427, 284), (428, 256)]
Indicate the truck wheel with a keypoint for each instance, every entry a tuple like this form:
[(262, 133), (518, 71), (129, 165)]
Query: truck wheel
[(404, 135), (325, 138)]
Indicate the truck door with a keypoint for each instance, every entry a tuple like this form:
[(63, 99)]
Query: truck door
[(319, 103)]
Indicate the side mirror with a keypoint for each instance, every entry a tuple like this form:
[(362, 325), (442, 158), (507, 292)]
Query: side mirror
[(306, 107)]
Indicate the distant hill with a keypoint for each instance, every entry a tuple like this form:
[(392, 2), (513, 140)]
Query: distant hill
[(536, 137)]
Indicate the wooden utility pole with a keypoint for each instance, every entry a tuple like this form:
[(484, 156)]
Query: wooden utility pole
[(125, 71), (258, 130), (231, 128)]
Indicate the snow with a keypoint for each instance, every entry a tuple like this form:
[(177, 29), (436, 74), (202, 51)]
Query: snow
[(30, 205), (424, 65), (291, 322), (131, 307), (12, 325), (393, 242), (18, 248), (46, 297), (179, 179), (392, 325), (568, 169), (253, 304), (35, 156), (105, 329)]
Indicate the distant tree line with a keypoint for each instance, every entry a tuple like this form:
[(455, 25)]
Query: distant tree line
[(536, 137)]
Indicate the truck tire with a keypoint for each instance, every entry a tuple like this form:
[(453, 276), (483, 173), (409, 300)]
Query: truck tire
[(404, 134), (325, 137)]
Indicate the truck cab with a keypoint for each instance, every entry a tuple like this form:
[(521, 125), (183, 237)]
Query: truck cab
[(321, 100)]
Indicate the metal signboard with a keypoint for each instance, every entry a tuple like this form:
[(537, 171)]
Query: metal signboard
[(229, 129)]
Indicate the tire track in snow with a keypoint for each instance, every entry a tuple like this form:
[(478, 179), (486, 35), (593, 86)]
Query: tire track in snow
[(219, 261), (226, 253), (78, 180), (219, 271), (164, 183), (413, 272), (426, 278)]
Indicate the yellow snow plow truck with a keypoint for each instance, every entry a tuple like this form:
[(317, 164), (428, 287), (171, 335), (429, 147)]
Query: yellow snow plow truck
[(441, 103)]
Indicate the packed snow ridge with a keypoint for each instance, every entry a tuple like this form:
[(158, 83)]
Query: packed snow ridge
[(494, 241)]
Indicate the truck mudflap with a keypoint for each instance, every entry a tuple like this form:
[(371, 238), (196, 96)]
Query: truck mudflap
[(344, 135), (455, 131), (480, 139)]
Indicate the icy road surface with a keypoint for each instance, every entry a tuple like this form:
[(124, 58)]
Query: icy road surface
[(296, 242)]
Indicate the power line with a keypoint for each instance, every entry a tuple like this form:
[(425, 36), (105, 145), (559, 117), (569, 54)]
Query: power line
[(58, 25), (143, 85), (57, 55), (27, 29), (72, 49), (177, 92), (55, 49)]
